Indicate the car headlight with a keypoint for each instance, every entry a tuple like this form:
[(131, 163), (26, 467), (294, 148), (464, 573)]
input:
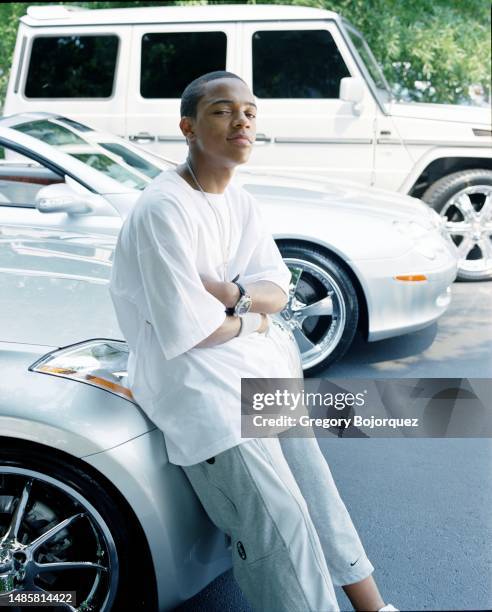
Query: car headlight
[(101, 363), (411, 229), (424, 237)]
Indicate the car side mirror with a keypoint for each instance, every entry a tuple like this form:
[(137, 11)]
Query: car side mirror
[(61, 198), (352, 90)]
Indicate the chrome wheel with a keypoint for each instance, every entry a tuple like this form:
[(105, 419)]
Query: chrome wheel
[(468, 217), (320, 310), (464, 200), (53, 539)]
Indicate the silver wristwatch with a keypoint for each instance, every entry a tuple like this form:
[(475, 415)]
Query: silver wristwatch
[(244, 302)]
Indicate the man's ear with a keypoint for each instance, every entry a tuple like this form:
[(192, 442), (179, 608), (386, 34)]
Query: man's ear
[(186, 126)]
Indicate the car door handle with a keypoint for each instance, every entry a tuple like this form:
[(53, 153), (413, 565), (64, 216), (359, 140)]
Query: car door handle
[(142, 137), (263, 138)]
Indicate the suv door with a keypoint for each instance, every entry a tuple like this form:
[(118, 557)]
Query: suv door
[(294, 69), (165, 58)]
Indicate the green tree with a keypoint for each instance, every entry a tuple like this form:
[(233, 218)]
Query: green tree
[(430, 50)]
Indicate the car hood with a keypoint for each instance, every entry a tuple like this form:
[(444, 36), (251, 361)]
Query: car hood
[(442, 112), (54, 286), (335, 196)]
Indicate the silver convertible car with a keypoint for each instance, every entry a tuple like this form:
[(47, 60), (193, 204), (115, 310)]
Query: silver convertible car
[(88, 500), (359, 258)]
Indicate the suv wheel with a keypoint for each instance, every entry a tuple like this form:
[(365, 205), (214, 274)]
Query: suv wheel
[(322, 310), (464, 199)]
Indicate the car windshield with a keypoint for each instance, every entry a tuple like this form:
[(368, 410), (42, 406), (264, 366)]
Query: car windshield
[(367, 59), (108, 166), (114, 158)]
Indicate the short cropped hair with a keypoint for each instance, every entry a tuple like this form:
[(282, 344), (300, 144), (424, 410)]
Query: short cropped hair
[(194, 90)]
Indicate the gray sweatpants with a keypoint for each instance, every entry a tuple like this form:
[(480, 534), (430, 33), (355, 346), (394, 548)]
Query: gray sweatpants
[(292, 537)]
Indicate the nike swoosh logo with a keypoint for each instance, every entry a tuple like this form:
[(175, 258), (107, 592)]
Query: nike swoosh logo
[(354, 562)]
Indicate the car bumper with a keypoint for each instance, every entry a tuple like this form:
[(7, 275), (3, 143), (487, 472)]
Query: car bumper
[(398, 307)]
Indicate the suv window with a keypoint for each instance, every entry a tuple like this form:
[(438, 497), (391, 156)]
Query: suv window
[(296, 64), (172, 60), (72, 67)]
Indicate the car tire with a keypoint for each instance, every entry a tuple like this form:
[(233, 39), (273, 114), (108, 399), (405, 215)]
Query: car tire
[(460, 198), (325, 337), (51, 490)]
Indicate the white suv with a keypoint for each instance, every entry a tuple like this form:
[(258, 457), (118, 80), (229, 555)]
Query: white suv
[(325, 108)]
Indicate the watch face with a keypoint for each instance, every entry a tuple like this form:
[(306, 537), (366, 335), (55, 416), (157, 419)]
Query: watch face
[(243, 305)]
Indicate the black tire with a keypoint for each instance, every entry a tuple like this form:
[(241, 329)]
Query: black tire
[(59, 490), (331, 335), (443, 196)]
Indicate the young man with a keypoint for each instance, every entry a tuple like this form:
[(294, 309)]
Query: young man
[(194, 330)]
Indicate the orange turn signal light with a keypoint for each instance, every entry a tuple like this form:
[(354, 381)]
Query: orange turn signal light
[(54, 370), (101, 382), (411, 277)]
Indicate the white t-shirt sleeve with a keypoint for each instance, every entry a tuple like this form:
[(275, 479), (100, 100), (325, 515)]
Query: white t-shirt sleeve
[(182, 311), (265, 261)]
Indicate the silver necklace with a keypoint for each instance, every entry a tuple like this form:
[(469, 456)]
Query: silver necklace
[(225, 253)]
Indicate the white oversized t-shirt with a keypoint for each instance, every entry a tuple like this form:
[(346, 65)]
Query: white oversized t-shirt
[(170, 240)]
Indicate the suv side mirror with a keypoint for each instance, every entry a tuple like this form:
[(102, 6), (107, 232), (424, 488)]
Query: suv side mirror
[(351, 89), (61, 198)]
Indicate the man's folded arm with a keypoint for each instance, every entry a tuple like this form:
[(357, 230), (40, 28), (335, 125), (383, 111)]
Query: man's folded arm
[(267, 296)]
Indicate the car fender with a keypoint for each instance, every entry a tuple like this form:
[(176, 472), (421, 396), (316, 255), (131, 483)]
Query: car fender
[(74, 417), (187, 549)]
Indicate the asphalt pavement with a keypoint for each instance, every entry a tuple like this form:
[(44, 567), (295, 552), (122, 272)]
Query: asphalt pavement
[(421, 506)]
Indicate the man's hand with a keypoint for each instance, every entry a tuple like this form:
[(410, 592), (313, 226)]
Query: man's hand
[(230, 329)]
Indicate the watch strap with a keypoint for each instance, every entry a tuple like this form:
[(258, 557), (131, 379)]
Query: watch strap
[(231, 310), (242, 290)]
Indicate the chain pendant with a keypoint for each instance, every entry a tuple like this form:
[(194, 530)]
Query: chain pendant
[(225, 255)]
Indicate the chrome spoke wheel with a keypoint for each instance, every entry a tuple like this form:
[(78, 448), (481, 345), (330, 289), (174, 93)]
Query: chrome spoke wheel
[(53, 539), (316, 311), (464, 200), (468, 215)]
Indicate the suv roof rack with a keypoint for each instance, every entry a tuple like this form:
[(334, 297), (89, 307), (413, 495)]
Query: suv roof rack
[(52, 12)]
